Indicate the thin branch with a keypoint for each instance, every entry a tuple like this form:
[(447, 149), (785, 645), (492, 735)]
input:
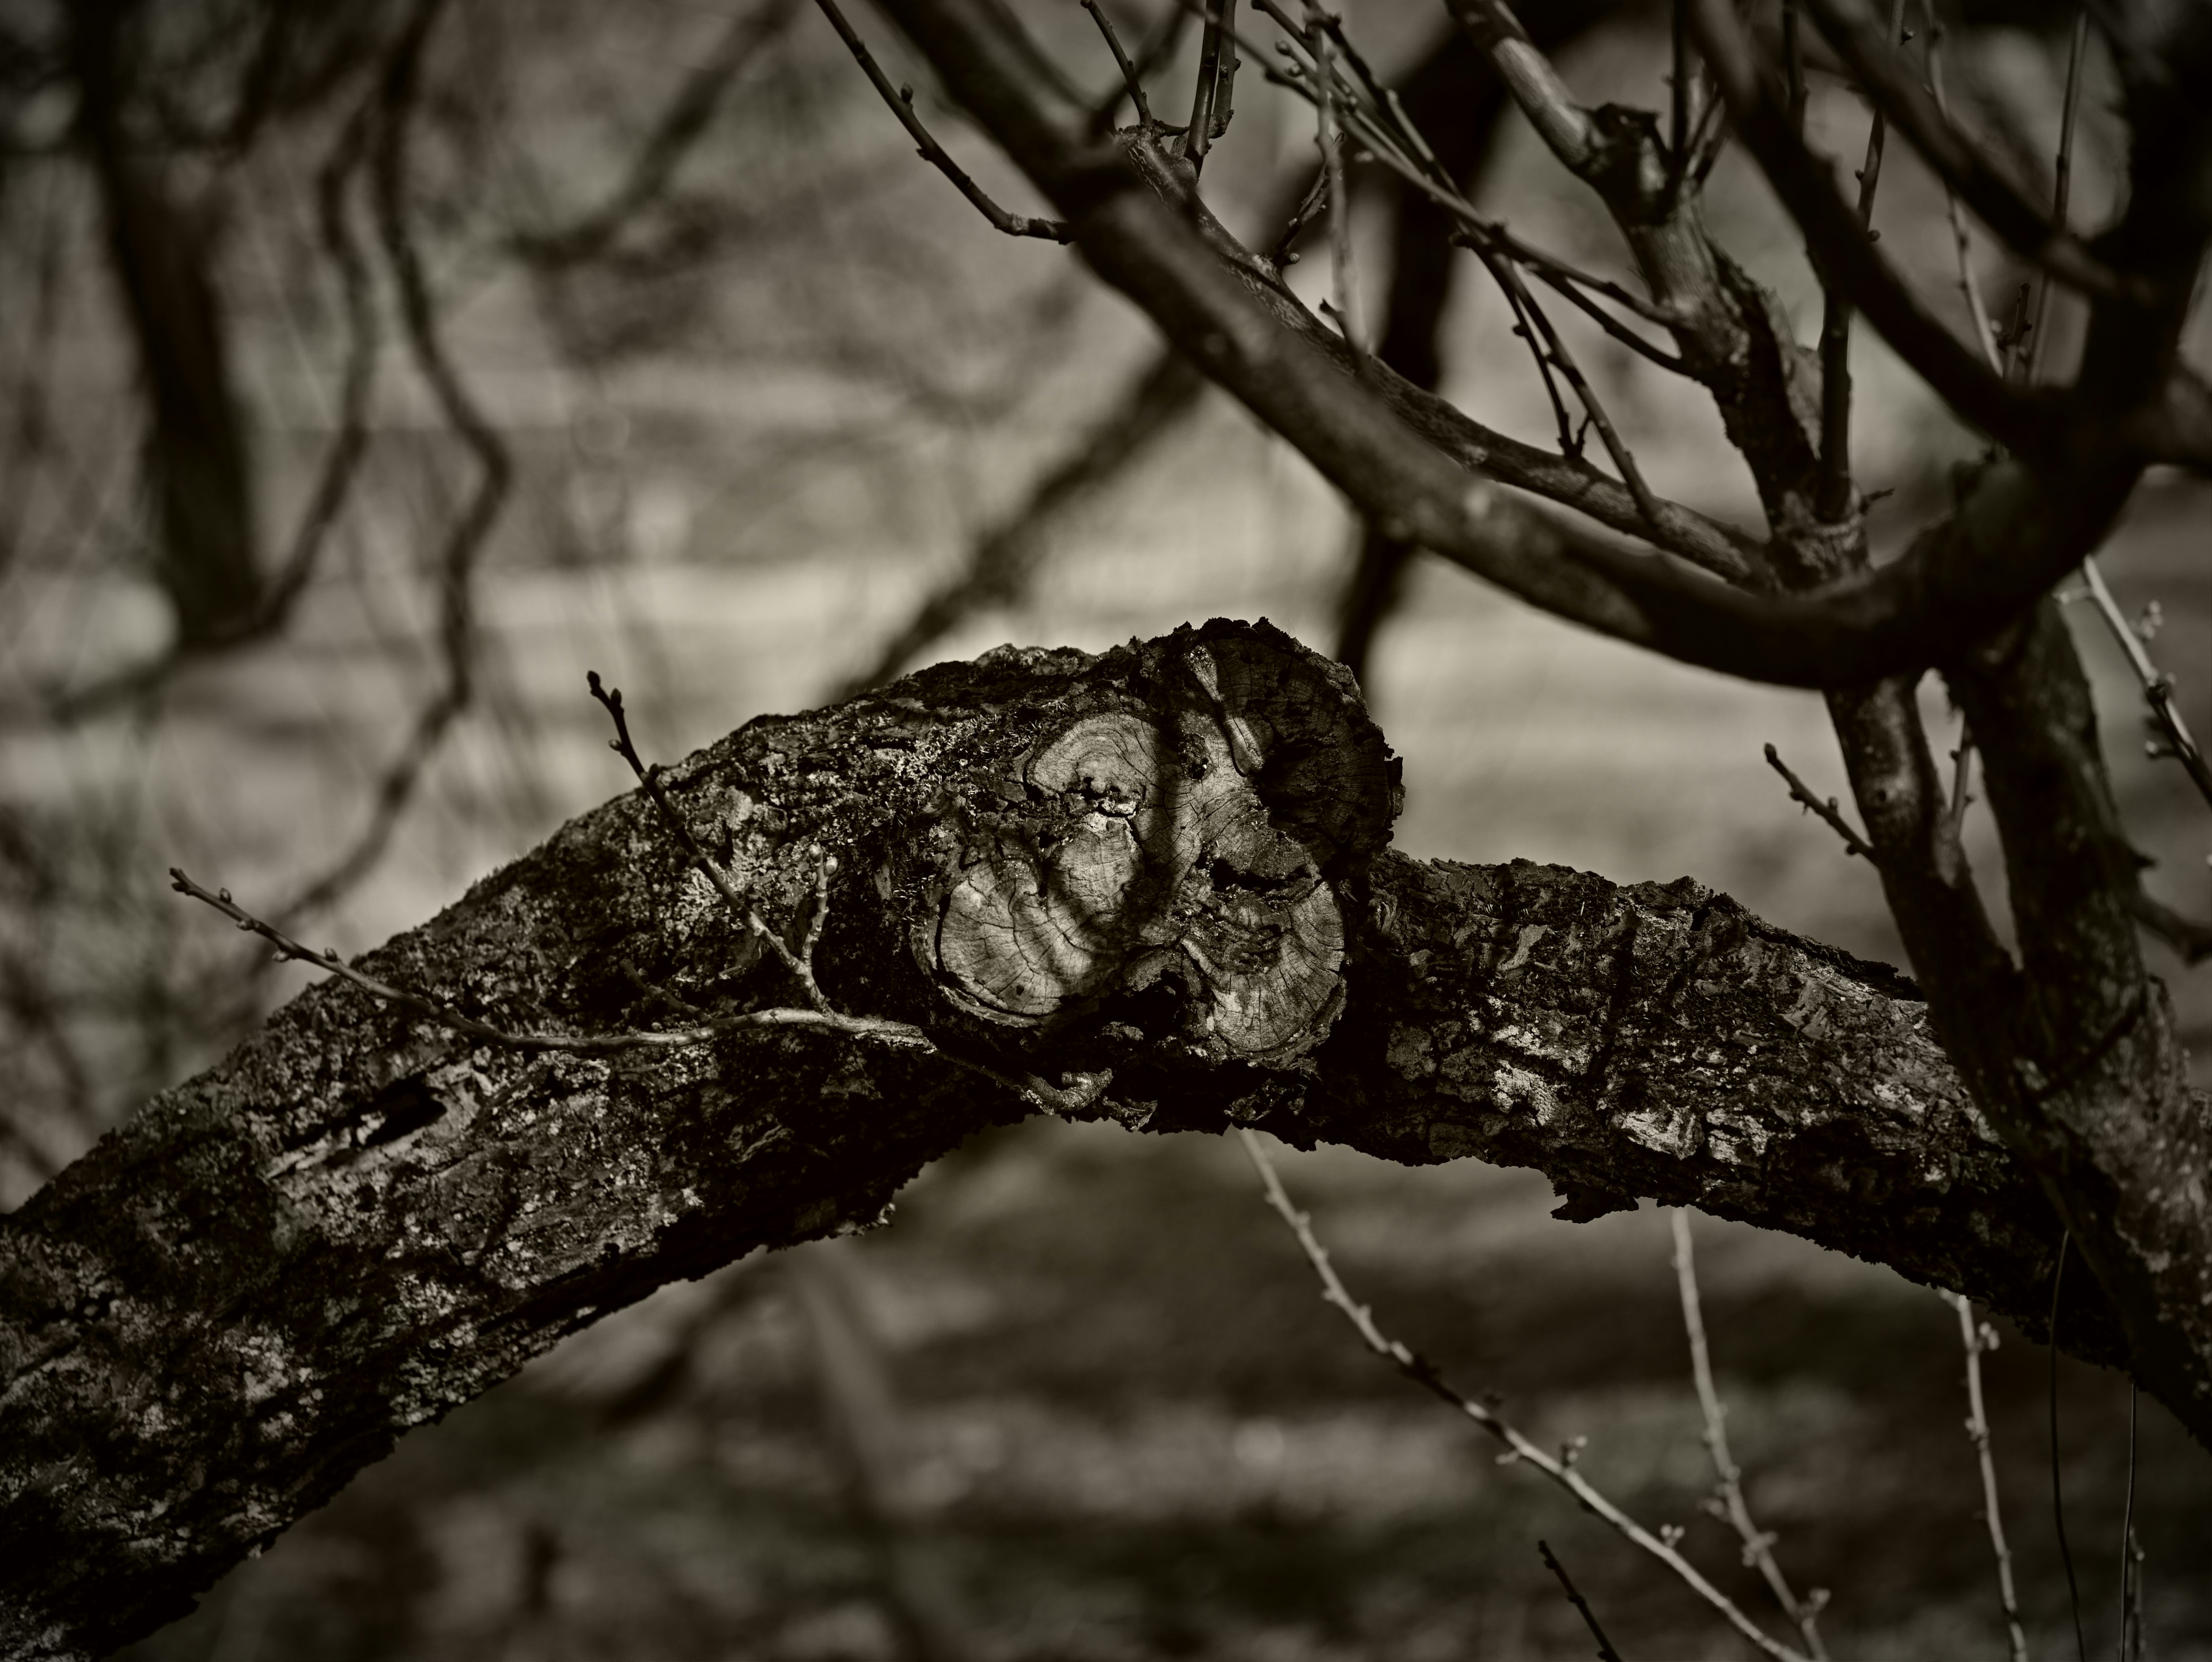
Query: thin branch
[(2191, 939), (1846, 261), (585, 1044), (1564, 126), (999, 563), (1217, 78), (1560, 1469), (465, 541), (2015, 218), (1832, 495), (2130, 1554), (2062, 188), (1605, 1650), (2174, 738), (1133, 83), (1801, 793), (1402, 462), (1343, 272), (1758, 1543), (901, 100), (1165, 38), (801, 968), (1516, 299), (1962, 763), (1977, 313), (1976, 1339), (2057, 1494), (688, 116)]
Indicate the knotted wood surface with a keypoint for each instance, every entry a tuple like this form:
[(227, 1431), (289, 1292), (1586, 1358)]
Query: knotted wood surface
[(1166, 862)]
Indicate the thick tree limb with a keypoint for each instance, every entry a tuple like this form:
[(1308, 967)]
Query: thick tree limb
[(361, 1218)]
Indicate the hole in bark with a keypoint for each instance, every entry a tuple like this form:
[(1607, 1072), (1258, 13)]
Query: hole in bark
[(405, 1107)]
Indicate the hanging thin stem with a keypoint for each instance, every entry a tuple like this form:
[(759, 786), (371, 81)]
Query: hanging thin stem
[(1976, 1340)]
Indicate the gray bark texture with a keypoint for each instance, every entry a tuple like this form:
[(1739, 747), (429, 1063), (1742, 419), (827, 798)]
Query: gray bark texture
[(1166, 864)]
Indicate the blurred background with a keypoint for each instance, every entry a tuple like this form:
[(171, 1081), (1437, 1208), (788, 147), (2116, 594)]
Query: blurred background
[(369, 371)]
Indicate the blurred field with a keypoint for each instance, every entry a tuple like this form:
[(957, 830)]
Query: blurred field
[(1120, 1421)]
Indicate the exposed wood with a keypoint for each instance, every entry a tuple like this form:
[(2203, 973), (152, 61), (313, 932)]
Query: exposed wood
[(360, 1220)]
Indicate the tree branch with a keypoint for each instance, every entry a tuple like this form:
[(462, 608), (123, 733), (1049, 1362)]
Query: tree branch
[(363, 1217), (1959, 164), (1206, 292)]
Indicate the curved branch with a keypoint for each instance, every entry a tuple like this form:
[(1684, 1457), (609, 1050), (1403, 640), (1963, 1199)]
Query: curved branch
[(361, 1218), (2024, 225), (1227, 310), (1846, 258)]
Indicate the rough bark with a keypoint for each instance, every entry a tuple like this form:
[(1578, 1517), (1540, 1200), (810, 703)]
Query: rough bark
[(360, 1220)]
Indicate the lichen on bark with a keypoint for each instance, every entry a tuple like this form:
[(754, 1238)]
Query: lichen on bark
[(1168, 862)]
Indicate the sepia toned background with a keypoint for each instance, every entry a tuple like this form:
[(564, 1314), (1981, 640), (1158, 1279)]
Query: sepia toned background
[(1080, 1399)]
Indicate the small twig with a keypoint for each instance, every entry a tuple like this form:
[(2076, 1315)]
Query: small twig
[(1963, 247), (1344, 273), (1976, 1340), (2157, 685), (1156, 51), (901, 100), (2057, 1494), (2130, 1554), (1210, 99), (1130, 79), (465, 540), (1283, 253), (653, 167), (1832, 496), (802, 968), (591, 1043), (1962, 760), (2062, 187), (1561, 1469), (2191, 939), (1758, 1543), (1800, 792), (1605, 1650)]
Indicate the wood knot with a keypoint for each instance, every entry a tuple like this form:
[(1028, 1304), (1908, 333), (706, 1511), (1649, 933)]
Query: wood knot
[(1196, 839)]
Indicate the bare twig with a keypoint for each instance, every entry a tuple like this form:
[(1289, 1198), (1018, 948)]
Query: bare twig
[(1343, 272), (1085, 1089), (1131, 80), (1210, 100), (1976, 1339), (688, 116), (2188, 937), (1605, 1650), (1561, 1469), (2174, 738), (1842, 253), (465, 540), (2057, 1491), (589, 1044), (1832, 495), (1962, 764), (1888, 83), (901, 100), (1731, 1507), (1800, 792), (801, 968), (1079, 1093), (1977, 313), (2130, 1554), (999, 563), (1166, 36), (2062, 187)]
